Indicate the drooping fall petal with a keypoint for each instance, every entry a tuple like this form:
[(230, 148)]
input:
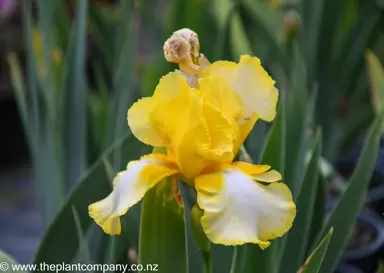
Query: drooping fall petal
[(129, 187), (238, 209)]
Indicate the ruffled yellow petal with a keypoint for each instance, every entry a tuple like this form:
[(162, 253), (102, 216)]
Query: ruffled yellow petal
[(249, 168), (222, 135), (238, 210), (181, 119), (245, 127), (256, 88), (252, 83), (223, 109), (271, 176), (197, 131), (170, 116), (139, 120), (222, 97), (140, 114), (169, 87), (225, 69), (129, 188), (199, 143), (190, 149)]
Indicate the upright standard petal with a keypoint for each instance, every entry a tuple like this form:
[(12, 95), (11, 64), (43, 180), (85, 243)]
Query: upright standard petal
[(222, 133), (245, 127), (222, 97), (239, 210), (252, 83), (181, 119), (222, 110), (198, 131), (140, 114), (129, 188)]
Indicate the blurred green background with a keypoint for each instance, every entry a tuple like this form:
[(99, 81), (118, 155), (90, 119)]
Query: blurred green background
[(69, 70)]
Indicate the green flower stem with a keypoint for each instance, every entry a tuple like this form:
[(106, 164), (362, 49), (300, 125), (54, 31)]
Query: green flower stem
[(207, 261)]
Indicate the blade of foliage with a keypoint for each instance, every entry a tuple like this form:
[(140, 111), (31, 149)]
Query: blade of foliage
[(318, 212), (6, 264), (20, 94), (297, 114), (313, 263), (354, 21), (297, 237), (358, 39), (43, 140), (273, 155), (45, 30), (83, 255), (162, 230), (75, 91), (48, 193), (222, 258), (194, 257), (31, 78), (238, 259), (353, 198), (124, 73), (239, 41), (312, 19), (224, 10), (261, 24), (376, 76), (62, 24), (93, 186)]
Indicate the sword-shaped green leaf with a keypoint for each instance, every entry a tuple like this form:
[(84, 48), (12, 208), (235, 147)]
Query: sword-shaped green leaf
[(8, 264), (376, 76), (93, 186), (162, 229), (313, 263), (297, 239), (75, 110), (352, 199)]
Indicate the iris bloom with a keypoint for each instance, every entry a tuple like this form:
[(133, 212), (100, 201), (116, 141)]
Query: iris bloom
[(202, 129)]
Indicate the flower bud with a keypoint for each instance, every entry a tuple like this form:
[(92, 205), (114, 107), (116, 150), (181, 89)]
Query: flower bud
[(183, 48), (197, 229), (291, 24)]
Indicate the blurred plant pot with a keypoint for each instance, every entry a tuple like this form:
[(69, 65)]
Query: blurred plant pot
[(366, 242), (13, 146), (375, 195), (348, 269)]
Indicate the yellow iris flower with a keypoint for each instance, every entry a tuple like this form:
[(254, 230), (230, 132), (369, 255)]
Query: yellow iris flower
[(203, 129)]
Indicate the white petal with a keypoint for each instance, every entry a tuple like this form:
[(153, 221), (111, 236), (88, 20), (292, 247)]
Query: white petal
[(129, 188), (238, 210)]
